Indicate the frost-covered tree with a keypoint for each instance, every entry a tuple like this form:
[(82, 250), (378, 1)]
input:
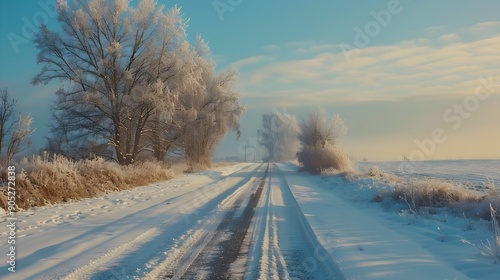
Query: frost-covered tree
[(166, 128), (318, 138), (21, 132), (7, 107), (118, 64), (209, 108), (279, 136), (217, 112), (13, 131), (319, 130), (206, 108), (67, 138), (63, 140)]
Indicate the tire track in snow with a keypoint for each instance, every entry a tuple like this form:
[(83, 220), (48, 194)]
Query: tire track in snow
[(191, 243), (288, 249), (87, 270), (216, 261)]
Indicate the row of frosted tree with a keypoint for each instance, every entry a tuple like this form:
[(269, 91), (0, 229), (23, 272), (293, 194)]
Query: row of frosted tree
[(313, 141), (132, 85)]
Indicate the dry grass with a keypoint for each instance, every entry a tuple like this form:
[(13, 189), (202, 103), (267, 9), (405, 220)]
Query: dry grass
[(425, 193), (421, 193), (44, 182), (434, 192), (483, 209), (389, 178), (490, 248), (198, 165)]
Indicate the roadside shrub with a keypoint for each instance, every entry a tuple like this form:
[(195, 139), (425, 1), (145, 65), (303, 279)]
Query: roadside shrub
[(318, 136), (317, 159)]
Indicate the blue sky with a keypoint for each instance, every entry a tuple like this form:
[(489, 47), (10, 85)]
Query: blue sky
[(412, 66)]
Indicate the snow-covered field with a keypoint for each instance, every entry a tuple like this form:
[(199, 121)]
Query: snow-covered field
[(303, 227), (473, 173)]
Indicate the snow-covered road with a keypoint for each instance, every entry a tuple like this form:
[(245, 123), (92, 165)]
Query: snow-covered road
[(241, 221), (183, 228), (132, 234), (285, 246)]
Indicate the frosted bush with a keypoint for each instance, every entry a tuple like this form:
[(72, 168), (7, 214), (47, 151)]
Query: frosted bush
[(317, 159), (318, 136)]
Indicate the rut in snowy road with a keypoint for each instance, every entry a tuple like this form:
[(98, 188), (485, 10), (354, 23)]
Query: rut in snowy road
[(215, 260), (262, 235), (284, 245)]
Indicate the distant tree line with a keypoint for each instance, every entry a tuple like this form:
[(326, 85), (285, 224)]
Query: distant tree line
[(313, 141), (278, 136)]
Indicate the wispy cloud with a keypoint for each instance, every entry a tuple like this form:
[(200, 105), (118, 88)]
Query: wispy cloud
[(449, 37), (485, 26), (436, 29), (251, 61), (300, 44), (444, 66), (271, 48)]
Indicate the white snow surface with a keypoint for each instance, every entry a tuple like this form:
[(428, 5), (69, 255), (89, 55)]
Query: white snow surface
[(474, 173), (368, 240), (142, 232), (116, 236)]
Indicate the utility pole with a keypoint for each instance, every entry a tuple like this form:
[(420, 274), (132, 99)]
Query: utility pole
[(254, 152), (246, 153)]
